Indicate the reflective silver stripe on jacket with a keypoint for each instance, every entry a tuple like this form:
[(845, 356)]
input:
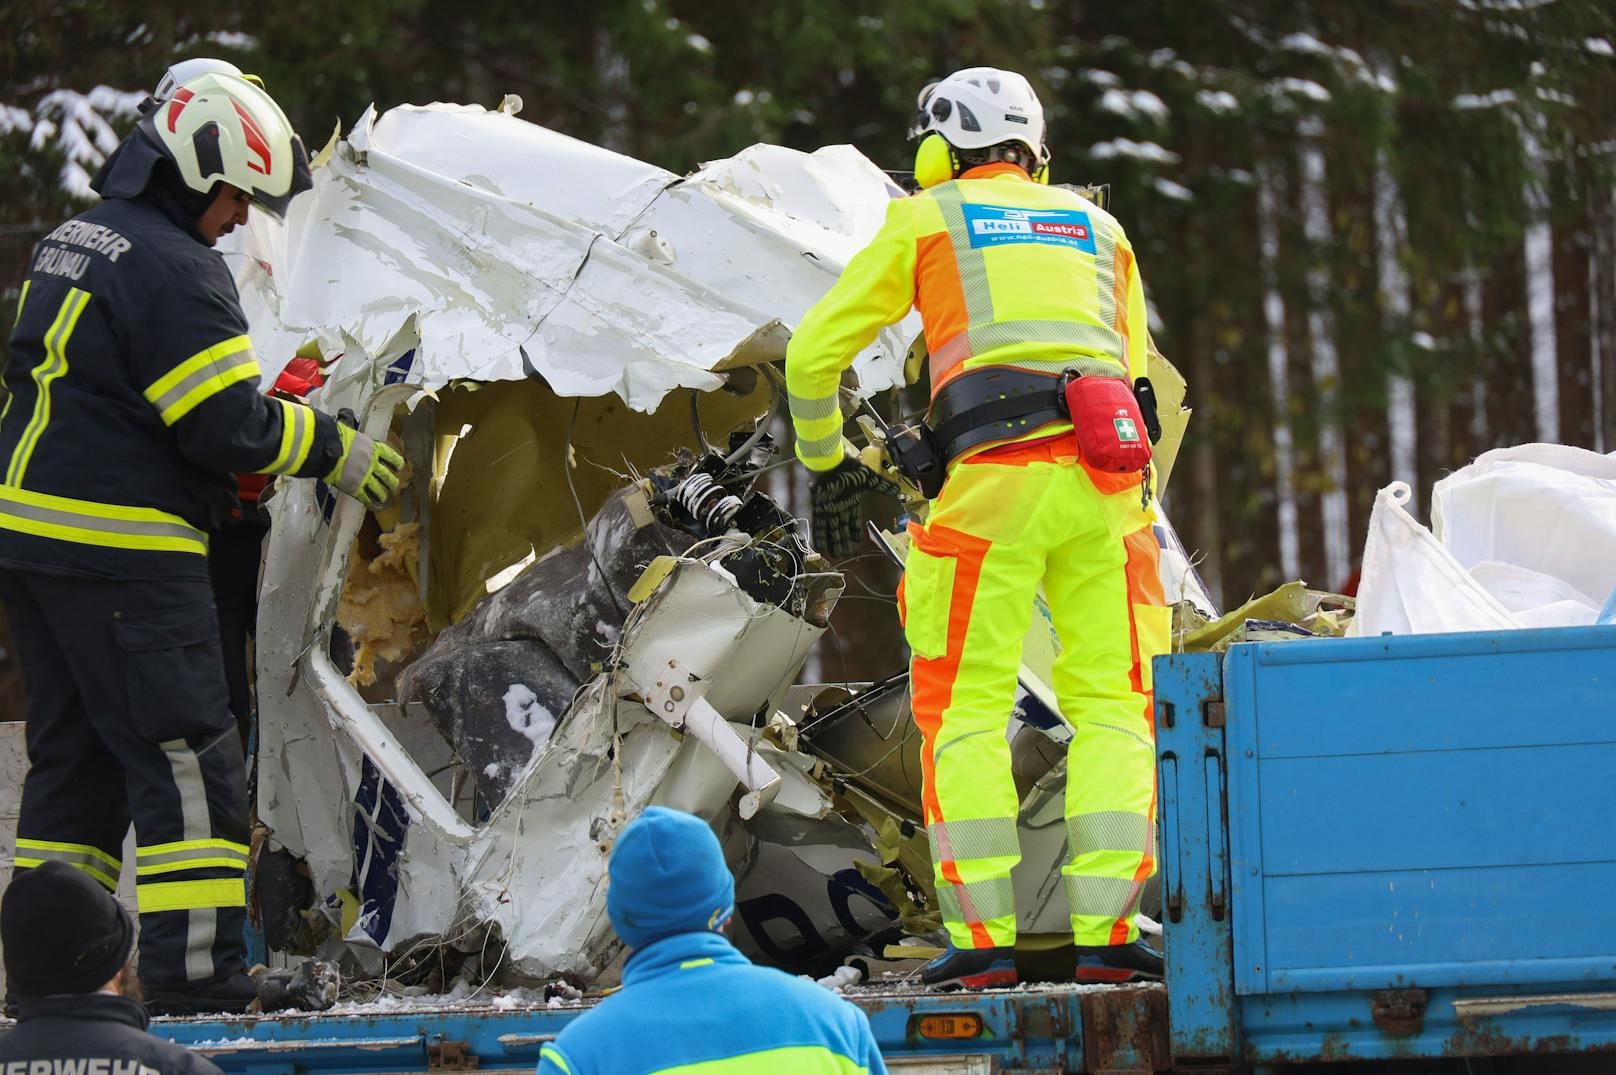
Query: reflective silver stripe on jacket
[(983, 334)]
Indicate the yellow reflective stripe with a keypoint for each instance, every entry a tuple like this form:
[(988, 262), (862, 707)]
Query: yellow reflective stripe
[(89, 523), (190, 855), (190, 864), (550, 1053), (198, 362), (111, 882), (72, 849), (805, 1059), (297, 438), (190, 895), (5, 408), (149, 850), (202, 376), (689, 963), (88, 858), (45, 374)]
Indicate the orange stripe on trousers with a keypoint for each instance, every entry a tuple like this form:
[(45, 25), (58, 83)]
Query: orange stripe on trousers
[(1144, 588), (931, 680)]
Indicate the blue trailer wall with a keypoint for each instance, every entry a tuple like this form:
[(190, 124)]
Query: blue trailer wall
[(1420, 848)]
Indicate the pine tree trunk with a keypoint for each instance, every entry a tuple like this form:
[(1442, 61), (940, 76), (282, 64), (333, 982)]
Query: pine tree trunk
[(1268, 202), (1315, 198)]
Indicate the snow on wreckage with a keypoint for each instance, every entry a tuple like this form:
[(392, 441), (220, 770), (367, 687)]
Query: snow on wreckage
[(456, 694)]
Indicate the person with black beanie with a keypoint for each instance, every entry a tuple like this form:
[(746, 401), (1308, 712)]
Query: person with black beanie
[(69, 954)]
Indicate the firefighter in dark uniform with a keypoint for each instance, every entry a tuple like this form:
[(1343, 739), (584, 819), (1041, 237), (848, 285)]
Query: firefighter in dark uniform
[(133, 395)]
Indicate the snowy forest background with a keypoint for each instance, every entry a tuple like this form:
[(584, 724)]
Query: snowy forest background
[(1378, 236)]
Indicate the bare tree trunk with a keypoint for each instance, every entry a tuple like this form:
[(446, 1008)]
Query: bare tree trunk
[(1315, 199), (1602, 318), (1391, 237), (1268, 201), (613, 76), (1395, 309), (1540, 286), (1476, 327)]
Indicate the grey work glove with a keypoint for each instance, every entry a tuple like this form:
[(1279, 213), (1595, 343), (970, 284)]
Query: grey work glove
[(837, 498)]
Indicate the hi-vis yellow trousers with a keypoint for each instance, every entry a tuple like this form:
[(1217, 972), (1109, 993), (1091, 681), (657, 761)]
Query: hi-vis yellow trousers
[(1007, 520)]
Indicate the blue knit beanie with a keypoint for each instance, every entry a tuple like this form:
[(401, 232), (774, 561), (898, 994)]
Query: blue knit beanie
[(667, 876)]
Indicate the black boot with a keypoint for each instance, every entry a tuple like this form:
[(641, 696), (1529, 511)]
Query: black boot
[(231, 994), (1118, 962), (971, 968)]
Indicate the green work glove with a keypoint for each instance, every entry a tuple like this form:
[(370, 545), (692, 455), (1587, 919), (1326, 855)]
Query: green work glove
[(367, 469), (837, 498)]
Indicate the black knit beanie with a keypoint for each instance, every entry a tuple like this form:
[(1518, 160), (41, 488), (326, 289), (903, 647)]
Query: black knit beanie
[(63, 932)]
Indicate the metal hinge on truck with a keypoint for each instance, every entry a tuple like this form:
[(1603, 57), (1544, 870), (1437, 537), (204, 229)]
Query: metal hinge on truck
[(450, 1056)]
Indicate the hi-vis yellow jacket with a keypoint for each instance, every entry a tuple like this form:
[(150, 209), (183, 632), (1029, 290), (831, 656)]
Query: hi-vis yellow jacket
[(1004, 272)]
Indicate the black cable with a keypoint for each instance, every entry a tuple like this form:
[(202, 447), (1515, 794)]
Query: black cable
[(583, 521), (695, 423)]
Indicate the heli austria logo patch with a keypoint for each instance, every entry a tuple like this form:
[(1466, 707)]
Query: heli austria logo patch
[(995, 225)]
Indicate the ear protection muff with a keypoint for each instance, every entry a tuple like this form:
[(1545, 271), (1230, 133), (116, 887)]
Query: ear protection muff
[(935, 161)]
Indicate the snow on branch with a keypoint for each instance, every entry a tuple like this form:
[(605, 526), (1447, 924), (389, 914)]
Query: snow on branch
[(1133, 104), (78, 126), (1141, 151)]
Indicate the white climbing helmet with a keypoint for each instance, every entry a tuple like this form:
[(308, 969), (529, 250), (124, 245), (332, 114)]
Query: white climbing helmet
[(980, 107), (222, 127), (194, 68)]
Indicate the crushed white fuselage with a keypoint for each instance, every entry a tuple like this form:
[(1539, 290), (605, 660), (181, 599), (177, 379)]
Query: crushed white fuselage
[(463, 262)]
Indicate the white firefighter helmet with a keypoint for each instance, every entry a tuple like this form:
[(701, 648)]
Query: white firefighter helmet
[(192, 69), (981, 107), (222, 127)]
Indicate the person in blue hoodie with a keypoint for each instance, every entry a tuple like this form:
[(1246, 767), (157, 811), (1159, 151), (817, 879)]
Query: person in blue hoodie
[(690, 1001)]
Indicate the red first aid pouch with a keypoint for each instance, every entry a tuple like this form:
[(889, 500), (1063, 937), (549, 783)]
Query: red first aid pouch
[(1110, 429)]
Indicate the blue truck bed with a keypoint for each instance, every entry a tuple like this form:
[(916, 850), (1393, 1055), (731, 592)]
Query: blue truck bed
[(1373, 849)]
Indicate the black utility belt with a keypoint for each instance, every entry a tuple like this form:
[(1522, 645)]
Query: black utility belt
[(988, 405)]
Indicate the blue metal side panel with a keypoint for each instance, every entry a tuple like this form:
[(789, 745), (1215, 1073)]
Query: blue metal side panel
[(1423, 811), (1025, 1029), (1194, 867), (1300, 1027)]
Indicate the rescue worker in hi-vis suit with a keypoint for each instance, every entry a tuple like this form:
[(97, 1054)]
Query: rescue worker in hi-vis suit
[(132, 396), (1023, 289)]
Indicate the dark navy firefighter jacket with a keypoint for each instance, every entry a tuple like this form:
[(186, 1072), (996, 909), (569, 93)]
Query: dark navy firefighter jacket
[(132, 395)]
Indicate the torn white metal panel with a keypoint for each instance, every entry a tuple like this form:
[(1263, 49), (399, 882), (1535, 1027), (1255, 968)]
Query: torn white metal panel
[(497, 236), (553, 833)]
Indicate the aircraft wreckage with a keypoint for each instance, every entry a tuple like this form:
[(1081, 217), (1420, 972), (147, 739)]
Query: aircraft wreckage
[(579, 606)]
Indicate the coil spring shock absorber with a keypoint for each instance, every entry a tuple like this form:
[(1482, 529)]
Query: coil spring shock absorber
[(706, 501)]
